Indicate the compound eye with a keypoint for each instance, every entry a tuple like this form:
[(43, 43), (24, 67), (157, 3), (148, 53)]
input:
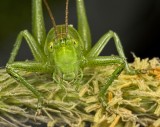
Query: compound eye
[(50, 47)]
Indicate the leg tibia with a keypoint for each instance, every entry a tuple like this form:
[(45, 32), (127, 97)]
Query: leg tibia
[(21, 80), (33, 44), (98, 47), (30, 67), (27, 66), (110, 79), (103, 61), (83, 27)]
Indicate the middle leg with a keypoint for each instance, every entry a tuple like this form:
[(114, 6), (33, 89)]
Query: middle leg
[(98, 47), (103, 61)]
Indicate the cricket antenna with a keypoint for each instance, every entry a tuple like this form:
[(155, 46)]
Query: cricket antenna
[(66, 17), (51, 16)]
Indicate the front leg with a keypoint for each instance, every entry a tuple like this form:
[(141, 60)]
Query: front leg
[(27, 66), (103, 61), (35, 47), (98, 47)]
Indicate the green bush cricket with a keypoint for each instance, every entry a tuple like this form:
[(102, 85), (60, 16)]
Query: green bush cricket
[(64, 51)]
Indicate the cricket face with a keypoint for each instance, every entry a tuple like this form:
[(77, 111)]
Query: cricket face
[(65, 57)]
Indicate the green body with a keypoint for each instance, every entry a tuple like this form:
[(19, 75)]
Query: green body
[(64, 55)]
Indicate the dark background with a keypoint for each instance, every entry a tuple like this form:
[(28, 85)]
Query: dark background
[(137, 22)]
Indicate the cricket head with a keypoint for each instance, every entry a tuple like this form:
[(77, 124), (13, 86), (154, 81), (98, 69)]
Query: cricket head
[(64, 53)]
